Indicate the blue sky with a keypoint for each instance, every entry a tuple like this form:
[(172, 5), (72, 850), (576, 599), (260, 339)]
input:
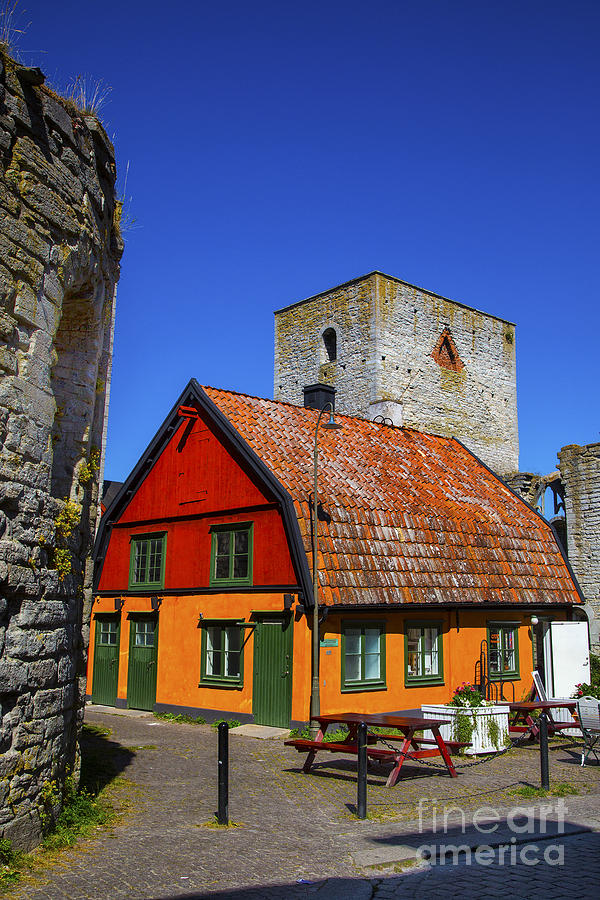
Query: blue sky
[(277, 149)]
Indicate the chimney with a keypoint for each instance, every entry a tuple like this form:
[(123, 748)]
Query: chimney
[(316, 396), (387, 409)]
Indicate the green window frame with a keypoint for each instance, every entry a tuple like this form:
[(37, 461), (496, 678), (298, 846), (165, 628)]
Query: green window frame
[(363, 656), (222, 653), (147, 560), (231, 554), (107, 632), (503, 650), (423, 652)]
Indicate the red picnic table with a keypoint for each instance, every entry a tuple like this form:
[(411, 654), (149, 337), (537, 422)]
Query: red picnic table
[(522, 719), (411, 743)]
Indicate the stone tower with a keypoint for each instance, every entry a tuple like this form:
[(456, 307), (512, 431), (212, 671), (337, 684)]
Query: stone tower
[(580, 474), (392, 349), (59, 265)]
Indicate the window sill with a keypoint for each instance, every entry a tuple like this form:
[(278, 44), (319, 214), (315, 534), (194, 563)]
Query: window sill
[(145, 588), (366, 686), (506, 676), (423, 681), (221, 683)]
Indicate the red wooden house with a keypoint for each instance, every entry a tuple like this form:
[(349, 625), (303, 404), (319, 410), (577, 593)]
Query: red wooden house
[(204, 592)]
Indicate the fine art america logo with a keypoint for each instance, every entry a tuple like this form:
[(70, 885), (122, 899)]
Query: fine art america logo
[(522, 838)]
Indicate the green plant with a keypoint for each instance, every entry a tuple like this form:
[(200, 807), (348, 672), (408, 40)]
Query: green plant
[(340, 734), (62, 562), (587, 690), (49, 799), (83, 808), (594, 668), (7, 854), (67, 519), (466, 694), (528, 791), (493, 732), (123, 220), (80, 813), (233, 723), (180, 717), (9, 33), (64, 525), (88, 95), (9, 864), (98, 730), (88, 470), (463, 728)]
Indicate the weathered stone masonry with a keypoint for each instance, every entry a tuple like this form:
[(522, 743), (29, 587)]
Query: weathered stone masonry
[(580, 474), (59, 264), (392, 349)]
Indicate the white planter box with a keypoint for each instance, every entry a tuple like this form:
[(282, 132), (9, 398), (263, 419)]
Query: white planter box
[(480, 716)]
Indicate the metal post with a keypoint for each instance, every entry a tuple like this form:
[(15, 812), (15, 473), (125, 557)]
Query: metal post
[(544, 763), (223, 813), (361, 804), (315, 696)]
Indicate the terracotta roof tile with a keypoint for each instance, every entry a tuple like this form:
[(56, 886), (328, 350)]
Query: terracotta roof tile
[(414, 517)]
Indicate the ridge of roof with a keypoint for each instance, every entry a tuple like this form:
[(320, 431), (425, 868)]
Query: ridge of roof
[(409, 284), (297, 406)]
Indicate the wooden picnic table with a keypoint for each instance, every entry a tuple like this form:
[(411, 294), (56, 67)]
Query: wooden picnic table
[(410, 742), (523, 720)]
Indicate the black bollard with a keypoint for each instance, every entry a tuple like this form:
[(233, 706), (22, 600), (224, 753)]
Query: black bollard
[(223, 813), (544, 763), (361, 805)]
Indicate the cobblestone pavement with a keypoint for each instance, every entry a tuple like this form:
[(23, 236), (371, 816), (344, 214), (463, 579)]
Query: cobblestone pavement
[(296, 835)]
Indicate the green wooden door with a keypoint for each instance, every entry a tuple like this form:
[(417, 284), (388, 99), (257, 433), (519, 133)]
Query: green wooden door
[(141, 674), (272, 685), (106, 660)]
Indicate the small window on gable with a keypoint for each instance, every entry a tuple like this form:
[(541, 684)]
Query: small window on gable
[(147, 561), (231, 554), (330, 344)]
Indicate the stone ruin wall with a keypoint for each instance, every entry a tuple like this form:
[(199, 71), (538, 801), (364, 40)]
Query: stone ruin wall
[(386, 332), (59, 263), (580, 473)]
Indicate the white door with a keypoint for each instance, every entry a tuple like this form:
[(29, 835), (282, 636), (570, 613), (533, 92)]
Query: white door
[(570, 657)]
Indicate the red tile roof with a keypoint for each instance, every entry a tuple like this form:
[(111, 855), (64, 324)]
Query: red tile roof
[(415, 518)]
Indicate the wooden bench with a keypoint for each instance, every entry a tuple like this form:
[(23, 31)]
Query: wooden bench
[(453, 746), (381, 754), (412, 746), (303, 745)]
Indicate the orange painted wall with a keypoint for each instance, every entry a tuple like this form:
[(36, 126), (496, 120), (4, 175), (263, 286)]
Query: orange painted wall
[(460, 647), (179, 644)]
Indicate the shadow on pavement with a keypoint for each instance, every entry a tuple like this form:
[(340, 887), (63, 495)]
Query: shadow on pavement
[(102, 760), (326, 888), (345, 770)]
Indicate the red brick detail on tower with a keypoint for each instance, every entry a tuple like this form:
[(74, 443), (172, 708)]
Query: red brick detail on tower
[(445, 353)]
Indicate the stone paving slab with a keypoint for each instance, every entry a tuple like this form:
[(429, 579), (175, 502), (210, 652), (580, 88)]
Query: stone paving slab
[(296, 835), (264, 732)]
